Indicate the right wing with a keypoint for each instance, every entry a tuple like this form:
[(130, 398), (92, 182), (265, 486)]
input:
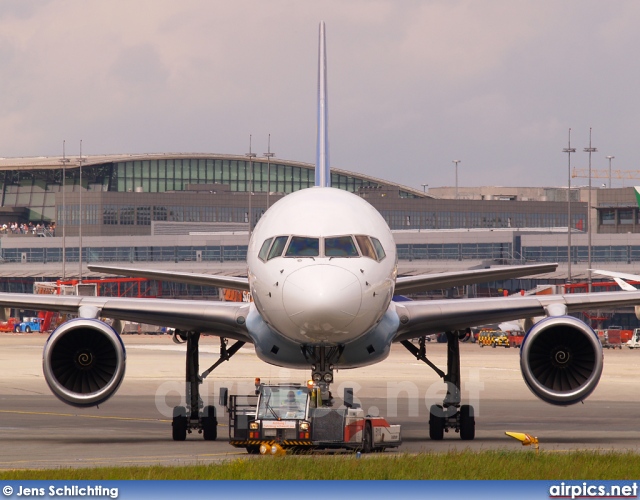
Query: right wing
[(436, 281), (178, 277), (224, 319)]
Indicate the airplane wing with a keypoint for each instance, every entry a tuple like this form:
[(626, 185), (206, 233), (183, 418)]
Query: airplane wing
[(615, 274), (178, 277), (422, 317), (226, 319), (436, 281)]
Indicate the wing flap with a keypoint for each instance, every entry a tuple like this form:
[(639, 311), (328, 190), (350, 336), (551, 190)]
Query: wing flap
[(177, 277), (436, 281)]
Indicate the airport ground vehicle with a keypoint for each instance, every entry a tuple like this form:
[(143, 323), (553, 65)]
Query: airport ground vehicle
[(614, 337), (28, 325), (634, 342), (493, 338), (515, 339), (293, 416), (9, 325)]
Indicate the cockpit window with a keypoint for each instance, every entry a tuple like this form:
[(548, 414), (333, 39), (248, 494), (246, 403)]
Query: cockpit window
[(378, 246), (264, 249), (277, 247), (302, 246), (340, 246), (366, 247)]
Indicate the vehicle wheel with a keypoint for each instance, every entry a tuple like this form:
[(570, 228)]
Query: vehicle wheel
[(253, 450), (179, 423), (27, 329), (493, 345), (209, 423), (467, 423), (17, 329), (436, 423), (367, 438), (481, 344)]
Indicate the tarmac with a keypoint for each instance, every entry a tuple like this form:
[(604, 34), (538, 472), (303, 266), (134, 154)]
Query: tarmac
[(134, 426)]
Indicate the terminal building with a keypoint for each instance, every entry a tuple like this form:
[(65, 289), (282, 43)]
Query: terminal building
[(193, 212)]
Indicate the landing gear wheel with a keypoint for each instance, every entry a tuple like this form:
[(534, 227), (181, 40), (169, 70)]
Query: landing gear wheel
[(179, 423), (367, 439), (467, 423), (436, 422), (209, 423)]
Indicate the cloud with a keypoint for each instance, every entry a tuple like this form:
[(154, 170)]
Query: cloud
[(412, 85)]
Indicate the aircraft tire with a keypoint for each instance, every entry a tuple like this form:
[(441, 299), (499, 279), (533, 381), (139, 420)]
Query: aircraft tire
[(436, 423), (367, 438), (179, 423), (467, 423), (209, 423)]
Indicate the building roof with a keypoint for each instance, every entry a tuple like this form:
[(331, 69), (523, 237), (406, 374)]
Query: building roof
[(55, 162)]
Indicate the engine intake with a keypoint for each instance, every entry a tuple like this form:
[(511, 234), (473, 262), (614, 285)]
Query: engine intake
[(561, 360), (84, 362)]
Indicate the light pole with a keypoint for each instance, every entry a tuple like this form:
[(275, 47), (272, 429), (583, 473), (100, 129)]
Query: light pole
[(269, 155), (610, 158), (456, 162), (80, 161), (424, 188), (251, 156), (589, 150), (569, 150), (64, 162)]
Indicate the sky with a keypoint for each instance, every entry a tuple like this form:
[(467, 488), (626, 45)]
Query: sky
[(413, 85)]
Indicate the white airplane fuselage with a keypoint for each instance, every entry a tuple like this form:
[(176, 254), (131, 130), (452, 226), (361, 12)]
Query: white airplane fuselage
[(326, 280)]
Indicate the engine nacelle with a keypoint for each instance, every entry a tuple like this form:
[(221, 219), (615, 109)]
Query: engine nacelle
[(83, 362), (561, 360)]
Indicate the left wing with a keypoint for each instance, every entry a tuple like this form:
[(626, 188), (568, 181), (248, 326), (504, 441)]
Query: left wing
[(225, 319), (233, 282), (422, 317), (436, 281)]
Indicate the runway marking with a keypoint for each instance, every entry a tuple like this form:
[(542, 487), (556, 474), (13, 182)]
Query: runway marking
[(102, 417), (126, 460)]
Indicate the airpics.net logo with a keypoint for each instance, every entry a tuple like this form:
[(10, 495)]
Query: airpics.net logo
[(587, 490)]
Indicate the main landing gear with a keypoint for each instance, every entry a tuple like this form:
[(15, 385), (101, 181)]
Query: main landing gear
[(195, 416), (450, 414)]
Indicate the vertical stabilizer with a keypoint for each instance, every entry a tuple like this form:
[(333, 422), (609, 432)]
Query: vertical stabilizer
[(323, 176)]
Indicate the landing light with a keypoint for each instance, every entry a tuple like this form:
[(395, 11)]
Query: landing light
[(317, 377), (328, 378)]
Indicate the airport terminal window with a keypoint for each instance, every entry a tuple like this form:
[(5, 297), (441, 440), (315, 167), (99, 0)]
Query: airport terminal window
[(378, 246), (278, 246), (302, 246), (366, 247), (264, 250), (340, 246)]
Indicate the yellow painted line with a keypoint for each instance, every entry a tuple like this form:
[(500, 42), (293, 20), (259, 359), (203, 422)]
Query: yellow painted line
[(127, 460), (102, 417)]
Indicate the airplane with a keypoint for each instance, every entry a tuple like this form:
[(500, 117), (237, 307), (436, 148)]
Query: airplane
[(322, 271)]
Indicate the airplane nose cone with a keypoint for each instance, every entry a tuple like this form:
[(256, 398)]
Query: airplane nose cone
[(322, 300)]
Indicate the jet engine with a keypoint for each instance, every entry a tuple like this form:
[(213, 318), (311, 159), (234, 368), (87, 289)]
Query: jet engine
[(84, 362), (561, 360)]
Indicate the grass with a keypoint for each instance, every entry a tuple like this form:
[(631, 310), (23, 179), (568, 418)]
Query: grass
[(436, 466)]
